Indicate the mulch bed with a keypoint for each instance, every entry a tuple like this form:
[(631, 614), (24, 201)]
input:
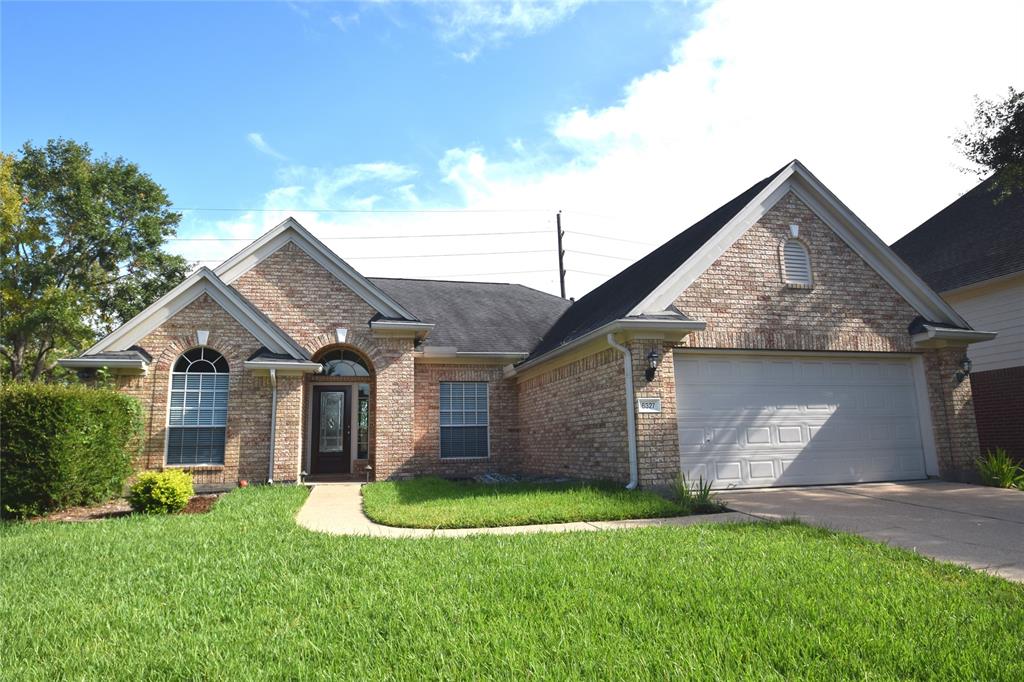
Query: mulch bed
[(199, 504)]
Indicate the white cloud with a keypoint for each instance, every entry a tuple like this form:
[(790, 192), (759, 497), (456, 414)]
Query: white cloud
[(476, 25), (257, 141), (867, 95), (344, 21)]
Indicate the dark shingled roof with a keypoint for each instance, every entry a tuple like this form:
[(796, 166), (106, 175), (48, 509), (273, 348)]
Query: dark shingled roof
[(264, 353), (616, 297), (477, 316), (971, 240)]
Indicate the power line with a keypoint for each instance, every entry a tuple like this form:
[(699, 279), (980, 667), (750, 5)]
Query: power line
[(614, 239), (428, 255), (365, 210), (599, 255), (390, 236), (587, 272)]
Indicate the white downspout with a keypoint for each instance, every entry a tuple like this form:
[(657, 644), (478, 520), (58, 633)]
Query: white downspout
[(634, 473), (273, 423)]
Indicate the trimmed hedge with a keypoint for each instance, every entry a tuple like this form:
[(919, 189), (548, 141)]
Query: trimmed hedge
[(62, 446), (161, 492)]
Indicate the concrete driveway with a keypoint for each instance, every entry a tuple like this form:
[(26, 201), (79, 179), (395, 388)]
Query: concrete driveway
[(973, 525)]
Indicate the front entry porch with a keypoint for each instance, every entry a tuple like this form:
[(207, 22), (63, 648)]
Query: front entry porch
[(338, 406)]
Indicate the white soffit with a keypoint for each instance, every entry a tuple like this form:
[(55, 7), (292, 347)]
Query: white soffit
[(290, 231), (851, 229), (202, 281)]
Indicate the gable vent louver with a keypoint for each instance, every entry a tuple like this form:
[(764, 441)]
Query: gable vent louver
[(796, 263)]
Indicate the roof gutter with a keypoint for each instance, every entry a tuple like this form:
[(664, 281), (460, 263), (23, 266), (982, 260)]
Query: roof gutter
[(87, 362), (634, 473), (937, 337), (393, 327), (287, 365), (273, 425), (677, 327)]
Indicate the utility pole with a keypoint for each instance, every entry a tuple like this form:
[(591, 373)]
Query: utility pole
[(561, 252)]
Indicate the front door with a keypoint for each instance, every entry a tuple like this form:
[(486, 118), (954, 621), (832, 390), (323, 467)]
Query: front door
[(332, 430)]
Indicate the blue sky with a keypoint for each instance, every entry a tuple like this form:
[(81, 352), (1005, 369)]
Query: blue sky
[(634, 118), (177, 87)]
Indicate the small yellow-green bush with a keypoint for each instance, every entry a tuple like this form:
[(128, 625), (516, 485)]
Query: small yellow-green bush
[(161, 492)]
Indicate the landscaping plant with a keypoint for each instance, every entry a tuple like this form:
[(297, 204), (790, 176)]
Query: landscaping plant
[(161, 492), (696, 498), (998, 469), (62, 446)]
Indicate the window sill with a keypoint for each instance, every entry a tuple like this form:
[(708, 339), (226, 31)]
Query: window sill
[(462, 459), (195, 467), (793, 285)]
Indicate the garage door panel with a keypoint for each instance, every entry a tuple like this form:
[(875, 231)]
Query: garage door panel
[(787, 420)]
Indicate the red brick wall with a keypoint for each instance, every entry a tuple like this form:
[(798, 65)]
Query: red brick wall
[(504, 424), (999, 409), (573, 419), (746, 303), (247, 445), (309, 303)]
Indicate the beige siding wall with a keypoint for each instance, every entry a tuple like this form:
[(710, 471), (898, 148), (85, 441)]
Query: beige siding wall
[(994, 307)]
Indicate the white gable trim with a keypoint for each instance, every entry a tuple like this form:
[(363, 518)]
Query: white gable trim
[(202, 281), (851, 229), (291, 232)]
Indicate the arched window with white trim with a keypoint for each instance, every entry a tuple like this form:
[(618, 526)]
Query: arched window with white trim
[(796, 263), (198, 410)]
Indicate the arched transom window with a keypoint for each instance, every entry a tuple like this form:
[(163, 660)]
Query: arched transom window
[(344, 363), (198, 409), (796, 263)]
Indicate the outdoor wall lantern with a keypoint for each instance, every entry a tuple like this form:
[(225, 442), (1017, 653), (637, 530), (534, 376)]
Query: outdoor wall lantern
[(964, 371), (652, 364)]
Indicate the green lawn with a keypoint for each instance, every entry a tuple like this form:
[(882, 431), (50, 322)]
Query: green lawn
[(243, 592), (431, 502)]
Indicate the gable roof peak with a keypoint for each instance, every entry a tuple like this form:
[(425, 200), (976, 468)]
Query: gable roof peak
[(291, 231)]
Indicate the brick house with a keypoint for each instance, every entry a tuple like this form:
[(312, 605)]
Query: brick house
[(777, 341), (972, 253)]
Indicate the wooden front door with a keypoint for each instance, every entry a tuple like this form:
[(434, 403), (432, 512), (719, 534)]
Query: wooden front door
[(331, 438)]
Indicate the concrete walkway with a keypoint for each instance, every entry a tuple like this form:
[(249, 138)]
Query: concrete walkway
[(337, 508), (973, 525)]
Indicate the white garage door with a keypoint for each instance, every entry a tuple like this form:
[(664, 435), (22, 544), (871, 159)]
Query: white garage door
[(781, 419)]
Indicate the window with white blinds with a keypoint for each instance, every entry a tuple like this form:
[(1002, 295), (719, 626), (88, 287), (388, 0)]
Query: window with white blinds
[(796, 263), (464, 419), (198, 409)]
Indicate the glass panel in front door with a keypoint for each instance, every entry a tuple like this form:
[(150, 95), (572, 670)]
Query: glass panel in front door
[(332, 408)]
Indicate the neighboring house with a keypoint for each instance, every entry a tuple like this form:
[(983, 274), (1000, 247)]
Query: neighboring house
[(972, 252), (777, 341)]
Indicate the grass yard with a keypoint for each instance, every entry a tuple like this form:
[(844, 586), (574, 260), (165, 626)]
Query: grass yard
[(242, 592), (431, 502)]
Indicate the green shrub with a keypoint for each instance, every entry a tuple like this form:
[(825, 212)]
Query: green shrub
[(62, 446), (696, 498), (161, 492), (998, 469)]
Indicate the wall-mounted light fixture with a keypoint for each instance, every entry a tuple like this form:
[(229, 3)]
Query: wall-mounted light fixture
[(652, 364), (964, 371)]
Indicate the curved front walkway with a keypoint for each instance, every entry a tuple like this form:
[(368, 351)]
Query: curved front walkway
[(337, 508)]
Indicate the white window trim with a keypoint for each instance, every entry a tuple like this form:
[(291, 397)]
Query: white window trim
[(167, 417), (440, 455)]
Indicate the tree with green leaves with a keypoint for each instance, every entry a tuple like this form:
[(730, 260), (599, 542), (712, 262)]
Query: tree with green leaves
[(994, 142), (81, 251)]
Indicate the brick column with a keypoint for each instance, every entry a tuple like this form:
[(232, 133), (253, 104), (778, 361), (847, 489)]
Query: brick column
[(657, 434), (394, 408), (288, 430), (952, 410)]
